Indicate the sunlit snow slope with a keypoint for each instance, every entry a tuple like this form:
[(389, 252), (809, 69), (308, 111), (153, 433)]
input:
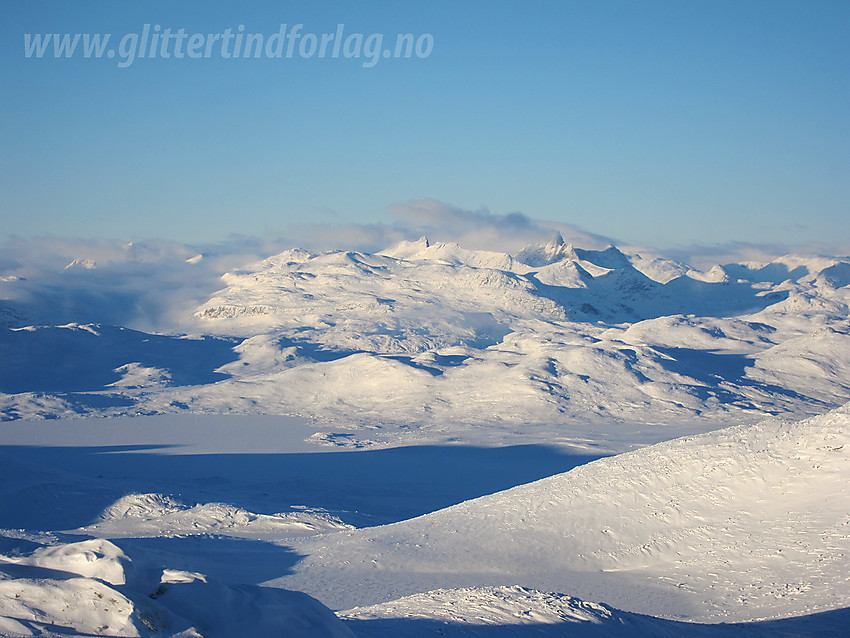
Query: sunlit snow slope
[(744, 523), (519, 612)]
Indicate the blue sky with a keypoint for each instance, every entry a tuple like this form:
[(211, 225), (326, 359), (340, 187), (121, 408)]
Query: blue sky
[(661, 123)]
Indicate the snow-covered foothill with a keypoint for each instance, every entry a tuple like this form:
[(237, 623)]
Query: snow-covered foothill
[(157, 515), (519, 612)]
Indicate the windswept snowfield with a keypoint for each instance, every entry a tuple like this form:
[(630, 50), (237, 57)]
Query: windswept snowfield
[(424, 441)]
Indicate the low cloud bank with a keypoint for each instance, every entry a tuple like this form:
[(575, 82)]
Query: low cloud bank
[(154, 285)]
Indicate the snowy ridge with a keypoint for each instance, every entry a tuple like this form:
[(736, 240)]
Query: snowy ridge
[(721, 524), (468, 608), (155, 515), (518, 611)]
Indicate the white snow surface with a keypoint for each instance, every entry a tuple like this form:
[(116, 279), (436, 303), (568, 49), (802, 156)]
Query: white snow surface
[(156, 515), (519, 611), (425, 333), (746, 523), (404, 342), (429, 439), (93, 588)]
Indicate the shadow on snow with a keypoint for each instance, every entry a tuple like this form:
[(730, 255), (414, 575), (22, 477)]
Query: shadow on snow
[(621, 625), (75, 359), (364, 488)]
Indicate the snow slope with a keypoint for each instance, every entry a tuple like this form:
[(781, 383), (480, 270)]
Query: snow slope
[(739, 524), (93, 588), (519, 612), (745, 523)]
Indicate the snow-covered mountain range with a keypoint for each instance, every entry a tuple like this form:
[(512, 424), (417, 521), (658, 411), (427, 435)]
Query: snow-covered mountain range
[(425, 333), (429, 440)]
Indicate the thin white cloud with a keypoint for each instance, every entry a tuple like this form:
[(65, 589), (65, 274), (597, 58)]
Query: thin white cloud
[(150, 285), (439, 221), (735, 252), (144, 285), (483, 229)]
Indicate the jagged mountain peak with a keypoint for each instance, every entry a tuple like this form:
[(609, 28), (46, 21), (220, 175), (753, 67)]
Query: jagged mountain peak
[(539, 255), (79, 262), (556, 250), (451, 253), (406, 249), (558, 239)]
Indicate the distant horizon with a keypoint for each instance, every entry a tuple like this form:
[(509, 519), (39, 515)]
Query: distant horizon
[(437, 221)]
